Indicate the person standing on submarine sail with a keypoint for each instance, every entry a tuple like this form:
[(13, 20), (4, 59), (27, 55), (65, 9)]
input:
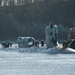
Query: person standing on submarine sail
[(54, 34)]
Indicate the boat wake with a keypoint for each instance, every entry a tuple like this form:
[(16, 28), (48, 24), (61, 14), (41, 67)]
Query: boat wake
[(54, 50)]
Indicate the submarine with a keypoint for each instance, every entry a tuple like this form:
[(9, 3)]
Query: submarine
[(67, 46)]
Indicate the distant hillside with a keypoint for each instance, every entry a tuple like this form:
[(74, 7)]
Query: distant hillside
[(31, 20)]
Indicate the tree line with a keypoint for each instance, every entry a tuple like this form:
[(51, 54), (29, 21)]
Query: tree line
[(31, 19), (17, 2), (25, 2)]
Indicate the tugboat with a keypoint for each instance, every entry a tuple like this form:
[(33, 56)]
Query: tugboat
[(70, 42)]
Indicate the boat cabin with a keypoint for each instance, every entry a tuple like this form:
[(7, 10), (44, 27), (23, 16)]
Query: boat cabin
[(71, 34)]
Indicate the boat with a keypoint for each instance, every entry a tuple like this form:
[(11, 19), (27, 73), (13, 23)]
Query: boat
[(70, 42), (24, 42)]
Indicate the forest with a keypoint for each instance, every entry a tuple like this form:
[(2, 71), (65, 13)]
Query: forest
[(30, 17)]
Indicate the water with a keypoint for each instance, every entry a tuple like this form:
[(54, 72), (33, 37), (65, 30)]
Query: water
[(21, 61)]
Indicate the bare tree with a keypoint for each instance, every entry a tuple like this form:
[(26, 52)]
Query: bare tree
[(23, 2), (18, 2), (0, 2), (4, 2), (11, 2)]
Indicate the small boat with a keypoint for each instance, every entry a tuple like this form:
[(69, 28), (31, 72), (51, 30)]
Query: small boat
[(24, 42)]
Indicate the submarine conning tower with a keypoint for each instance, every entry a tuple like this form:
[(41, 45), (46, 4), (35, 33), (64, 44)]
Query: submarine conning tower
[(51, 33)]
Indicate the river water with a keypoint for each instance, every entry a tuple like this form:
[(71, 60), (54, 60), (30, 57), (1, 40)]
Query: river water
[(29, 61)]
